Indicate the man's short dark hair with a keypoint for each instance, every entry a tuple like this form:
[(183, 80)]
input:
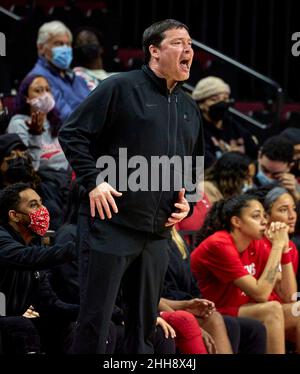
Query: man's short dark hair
[(292, 134), (10, 199), (155, 33), (277, 148)]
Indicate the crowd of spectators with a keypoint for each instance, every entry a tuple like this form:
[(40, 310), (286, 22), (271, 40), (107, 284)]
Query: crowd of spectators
[(238, 248)]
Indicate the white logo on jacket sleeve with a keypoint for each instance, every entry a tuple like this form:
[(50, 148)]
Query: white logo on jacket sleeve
[(250, 268)]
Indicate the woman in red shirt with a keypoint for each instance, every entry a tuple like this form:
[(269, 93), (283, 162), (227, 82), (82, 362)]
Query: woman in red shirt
[(280, 205), (230, 267)]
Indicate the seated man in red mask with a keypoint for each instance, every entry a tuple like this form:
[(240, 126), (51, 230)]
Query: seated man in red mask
[(23, 221)]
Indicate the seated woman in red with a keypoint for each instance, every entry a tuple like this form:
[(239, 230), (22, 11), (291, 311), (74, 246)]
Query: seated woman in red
[(229, 264), (280, 205)]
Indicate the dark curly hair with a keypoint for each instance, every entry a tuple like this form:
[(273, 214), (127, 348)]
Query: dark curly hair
[(220, 215), (10, 199), (229, 173)]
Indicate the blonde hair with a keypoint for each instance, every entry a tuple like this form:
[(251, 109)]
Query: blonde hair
[(179, 242)]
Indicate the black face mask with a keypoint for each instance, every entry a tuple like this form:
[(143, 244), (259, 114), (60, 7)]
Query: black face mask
[(19, 170), (218, 111), (87, 52)]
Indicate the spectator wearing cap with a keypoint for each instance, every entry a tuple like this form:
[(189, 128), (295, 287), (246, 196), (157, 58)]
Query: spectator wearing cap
[(10, 142), (55, 56), (222, 133), (16, 166), (15, 163)]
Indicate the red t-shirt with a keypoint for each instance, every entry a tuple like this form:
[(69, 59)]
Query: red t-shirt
[(216, 263), (293, 252), (195, 221)]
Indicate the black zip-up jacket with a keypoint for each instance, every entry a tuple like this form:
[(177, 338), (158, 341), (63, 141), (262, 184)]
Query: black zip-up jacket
[(19, 265), (136, 111)]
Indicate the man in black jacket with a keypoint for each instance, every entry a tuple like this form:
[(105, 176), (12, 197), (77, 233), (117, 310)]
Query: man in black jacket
[(23, 221), (145, 114)]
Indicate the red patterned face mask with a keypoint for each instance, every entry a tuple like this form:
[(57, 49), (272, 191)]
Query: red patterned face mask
[(39, 221)]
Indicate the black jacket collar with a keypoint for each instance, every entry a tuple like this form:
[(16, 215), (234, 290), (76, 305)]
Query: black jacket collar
[(16, 236), (160, 82)]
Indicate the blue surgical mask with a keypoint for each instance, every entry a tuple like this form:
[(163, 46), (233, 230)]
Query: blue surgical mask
[(263, 179), (62, 56)]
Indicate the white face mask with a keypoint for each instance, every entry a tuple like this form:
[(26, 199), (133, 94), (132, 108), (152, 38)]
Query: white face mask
[(263, 179), (247, 186), (43, 103)]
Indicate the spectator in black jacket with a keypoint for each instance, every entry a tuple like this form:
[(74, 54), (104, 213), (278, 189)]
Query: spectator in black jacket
[(147, 113), (23, 221), (222, 132)]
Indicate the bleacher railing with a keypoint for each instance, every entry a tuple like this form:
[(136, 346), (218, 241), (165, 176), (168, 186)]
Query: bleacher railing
[(277, 107)]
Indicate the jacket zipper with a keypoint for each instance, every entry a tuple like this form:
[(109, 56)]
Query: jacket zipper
[(161, 193)]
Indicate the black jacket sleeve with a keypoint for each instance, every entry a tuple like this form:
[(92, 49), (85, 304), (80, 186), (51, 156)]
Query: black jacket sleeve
[(85, 124), (197, 168), (15, 255), (48, 304)]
